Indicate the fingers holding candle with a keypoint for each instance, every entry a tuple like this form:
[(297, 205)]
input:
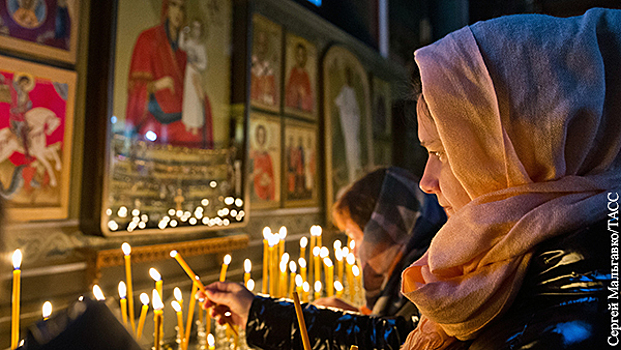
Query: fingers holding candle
[(227, 296)]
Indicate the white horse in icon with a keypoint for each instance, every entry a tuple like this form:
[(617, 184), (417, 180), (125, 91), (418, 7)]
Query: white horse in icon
[(41, 122)]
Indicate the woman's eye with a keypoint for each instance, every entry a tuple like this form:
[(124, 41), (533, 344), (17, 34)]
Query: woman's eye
[(437, 154)]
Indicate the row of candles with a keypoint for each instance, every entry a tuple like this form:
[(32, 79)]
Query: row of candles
[(277, 284)]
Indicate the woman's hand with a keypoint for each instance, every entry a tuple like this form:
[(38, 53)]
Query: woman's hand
[(336, 303), (228, 302)]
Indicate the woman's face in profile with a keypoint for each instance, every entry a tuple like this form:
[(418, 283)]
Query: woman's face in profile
[(438, 177)]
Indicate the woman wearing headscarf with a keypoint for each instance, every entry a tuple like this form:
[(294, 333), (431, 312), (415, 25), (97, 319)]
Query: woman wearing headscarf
[(392, 222), (522, 121)]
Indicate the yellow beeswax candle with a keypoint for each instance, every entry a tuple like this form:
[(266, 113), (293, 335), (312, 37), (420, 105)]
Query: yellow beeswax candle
[(338, 255), (247, 269), (303, 244), (225, 265), (190, 318), (351, 260), (250, 285), (123, 301), (282, 285), (298, 285), (177, 307), (316, 252), (356, 272), (306, 290), (15, 298), (266, 258), (317, 290), (329, 276), (211, 341), (144, 298), (127, 249), (339, 289), (302, 263), (282, 236), (292, 268), (158, 307)]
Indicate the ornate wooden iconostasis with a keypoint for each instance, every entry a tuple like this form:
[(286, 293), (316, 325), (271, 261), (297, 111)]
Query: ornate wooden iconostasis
[(175, 124)]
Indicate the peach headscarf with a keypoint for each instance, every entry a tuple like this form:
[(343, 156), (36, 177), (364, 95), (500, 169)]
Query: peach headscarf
[(528, 109)]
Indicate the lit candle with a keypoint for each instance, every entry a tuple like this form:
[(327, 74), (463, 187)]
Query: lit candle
[(329, 276), (178, 296), (272, 275), (356, 272), (337, 244), (352, 245), (317, 290), (250, 285), (282, 285), (303, 244), (316, 252), (298, 285), (306, 290), (99, 295), (302, 263), (144, 298), (318, 231), (339, 289), (225, 265), (267, 232), (190, 319), (127, 249), (282, 235), (324, 252), (351, 260), (247, 269), (46, 310), (177, 306), (15, 298), (157, 319), (293, 268), (123, 301), (211, 341), (338, 254), (301, 324), (159, 284)]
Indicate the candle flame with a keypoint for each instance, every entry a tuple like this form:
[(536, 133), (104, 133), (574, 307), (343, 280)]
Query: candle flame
[(155, 275), (283, 266), (272, 240), (303, 242), (247, 266), (338, 286), (267, 232), (210, 340), (122, 290), (17, 259), (352, 244), (99, 295), (227, 259), (316, 251), (227, 314), (355, 270), (351, 259), (345, 251), (173, 253), (298, 281), (282, 233), (337, 244), (317, 286), (292, 266), (327, 261), (127, 249), (144, 298), (176, 306), (250, 285), (324, 252), (177, 294), (285, 257), (338, 254), (302, 263), (157, 300), (306, 287), (46, 310)]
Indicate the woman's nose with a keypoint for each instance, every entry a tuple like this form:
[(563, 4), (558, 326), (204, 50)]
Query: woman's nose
[(429, 183)]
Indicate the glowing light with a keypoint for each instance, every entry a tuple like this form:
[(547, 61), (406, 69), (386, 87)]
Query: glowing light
[(292, 266), (142, 225), (302, 263), (98, 293), (150, 135), (176, 306), (338, 286), (282, 233), (46, 310), (338, 254), (283, 266), (285, 257), (179, 213), (303, 242), (113, 119), (239, 202), (317, 286), (205, 202), (267, 232), (122, 212), (352, 245), (233, 212), (337, 245), (250, 285), (112, 225), (227, 259), (315, 230), (173, 223), (324, 252), (193, 221), (108, 211), (306, 287), (177, 294), (355, 270), (171, 212), (327, 261), (122, 290), (247, 266), (144, 217), (213, 184), (127, 249), (225, 212), (157, 300), (144, 298), (135, 212), (351, 259), (299, 281), (205, 220), (17, 259), (227, 314), (155, 274), (229, 200), (316, 251), (211, 340)]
